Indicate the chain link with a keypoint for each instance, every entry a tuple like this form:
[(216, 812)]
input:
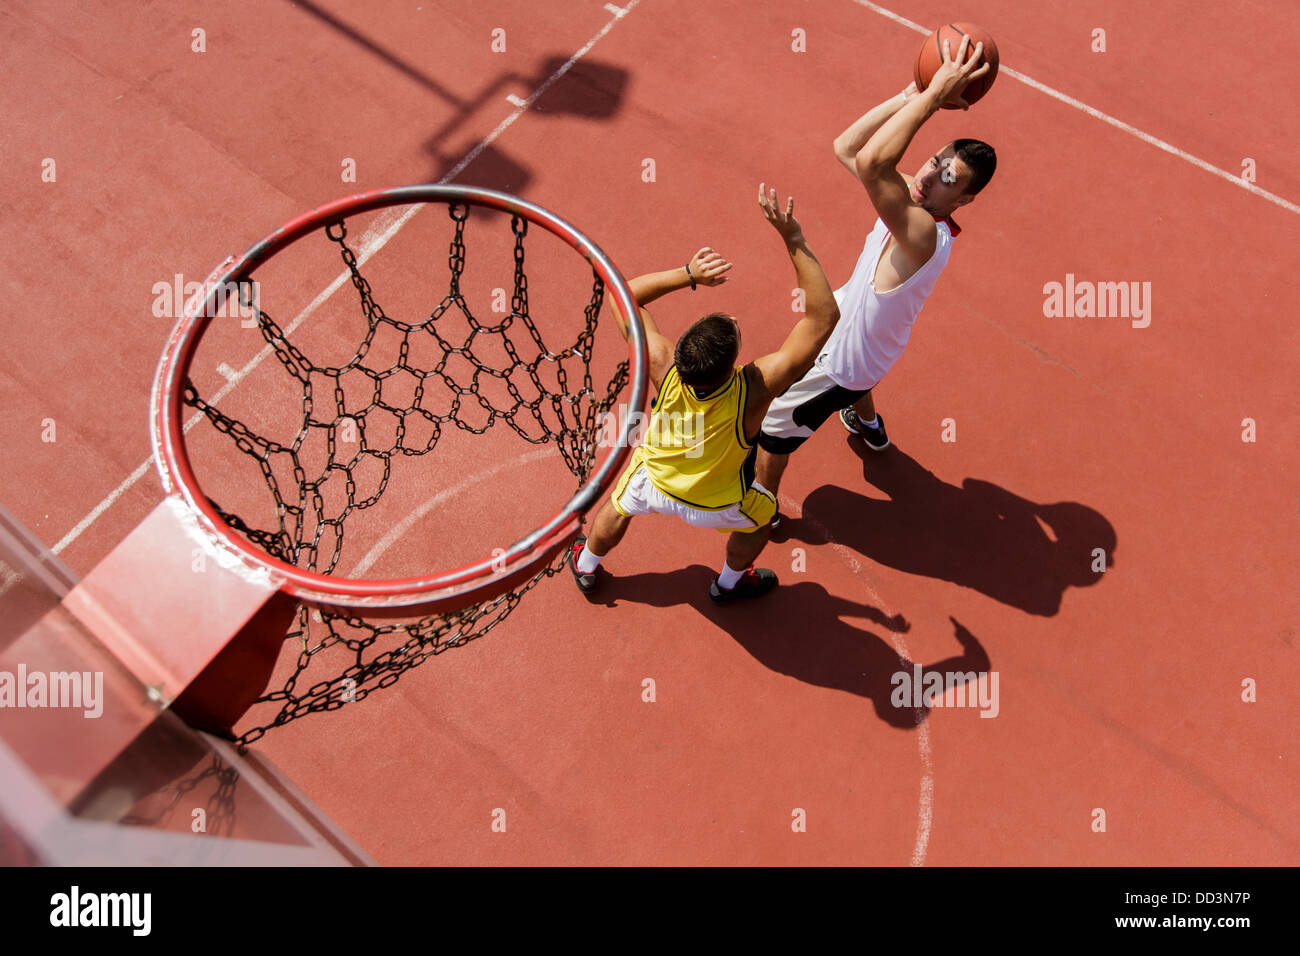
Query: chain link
[(219, 808), (342, 657)]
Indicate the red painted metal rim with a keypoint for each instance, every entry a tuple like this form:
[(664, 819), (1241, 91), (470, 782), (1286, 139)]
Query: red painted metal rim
[(440, 592)]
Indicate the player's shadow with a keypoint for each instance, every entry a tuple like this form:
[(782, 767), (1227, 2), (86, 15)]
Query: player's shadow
[(803, 631), (978, 535)]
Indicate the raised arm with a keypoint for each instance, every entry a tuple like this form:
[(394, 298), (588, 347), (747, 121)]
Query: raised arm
[(705, 268), (772, 374), (849, 142), (876, 162)]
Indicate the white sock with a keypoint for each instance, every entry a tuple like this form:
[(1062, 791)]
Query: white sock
[(727, 578), (588, 562), (874, 423)]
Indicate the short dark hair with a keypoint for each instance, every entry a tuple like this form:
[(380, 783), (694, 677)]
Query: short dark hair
[(706, 352), (979, 156)]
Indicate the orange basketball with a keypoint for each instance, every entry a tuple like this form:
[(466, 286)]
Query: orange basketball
[(930, 57)]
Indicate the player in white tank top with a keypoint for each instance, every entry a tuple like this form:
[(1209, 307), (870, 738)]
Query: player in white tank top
[(900, 262), (874, 325)]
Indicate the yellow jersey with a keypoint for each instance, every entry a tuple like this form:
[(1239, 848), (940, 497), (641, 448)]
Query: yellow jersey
[(695, 448)]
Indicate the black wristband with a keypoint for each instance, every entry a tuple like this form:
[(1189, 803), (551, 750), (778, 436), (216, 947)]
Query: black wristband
[(689, 276)]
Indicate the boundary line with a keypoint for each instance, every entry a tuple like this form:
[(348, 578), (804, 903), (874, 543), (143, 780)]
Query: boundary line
[(925, 799), (380, 232), (1106, 118)]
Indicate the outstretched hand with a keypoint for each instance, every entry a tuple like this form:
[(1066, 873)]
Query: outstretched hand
[(782, 221), (707, 267), (954, 75)]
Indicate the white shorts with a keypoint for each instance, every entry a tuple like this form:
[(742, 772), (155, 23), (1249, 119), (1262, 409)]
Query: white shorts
[(801, 409), (635, 494)]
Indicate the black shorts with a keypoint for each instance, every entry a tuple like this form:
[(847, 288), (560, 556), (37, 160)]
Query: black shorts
[(801, 409)]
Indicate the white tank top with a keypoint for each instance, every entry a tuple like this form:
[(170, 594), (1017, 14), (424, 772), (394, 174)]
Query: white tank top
[(874, 326)]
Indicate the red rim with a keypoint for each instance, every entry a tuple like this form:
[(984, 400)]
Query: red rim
[(448, 590)]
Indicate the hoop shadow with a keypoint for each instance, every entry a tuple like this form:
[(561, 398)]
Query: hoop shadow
[(801, 630), (978, 535), (587, 88)]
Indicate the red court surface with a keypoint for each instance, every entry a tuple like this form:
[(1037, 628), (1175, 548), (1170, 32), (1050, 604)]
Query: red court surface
[(1118, 691)]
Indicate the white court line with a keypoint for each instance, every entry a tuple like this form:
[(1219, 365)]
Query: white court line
[(103, 506), (422, 509), (382, 230), (1147, 138), (568, 64), (927, 779), (925, 807)]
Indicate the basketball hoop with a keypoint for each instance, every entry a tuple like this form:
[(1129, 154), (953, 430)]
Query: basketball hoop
[(449, 607)]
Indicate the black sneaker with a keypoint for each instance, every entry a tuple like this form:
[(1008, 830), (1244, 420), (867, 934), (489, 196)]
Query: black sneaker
[(586, 582), (875, 438), (753, 583)]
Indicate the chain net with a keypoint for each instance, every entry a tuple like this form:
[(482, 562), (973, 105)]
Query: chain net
[(342, 657), (217, 780)]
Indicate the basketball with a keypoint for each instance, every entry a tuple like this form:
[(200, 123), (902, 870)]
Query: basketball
[(930, 57)]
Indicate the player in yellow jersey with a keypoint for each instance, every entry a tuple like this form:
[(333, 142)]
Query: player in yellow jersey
[(697, 460)]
